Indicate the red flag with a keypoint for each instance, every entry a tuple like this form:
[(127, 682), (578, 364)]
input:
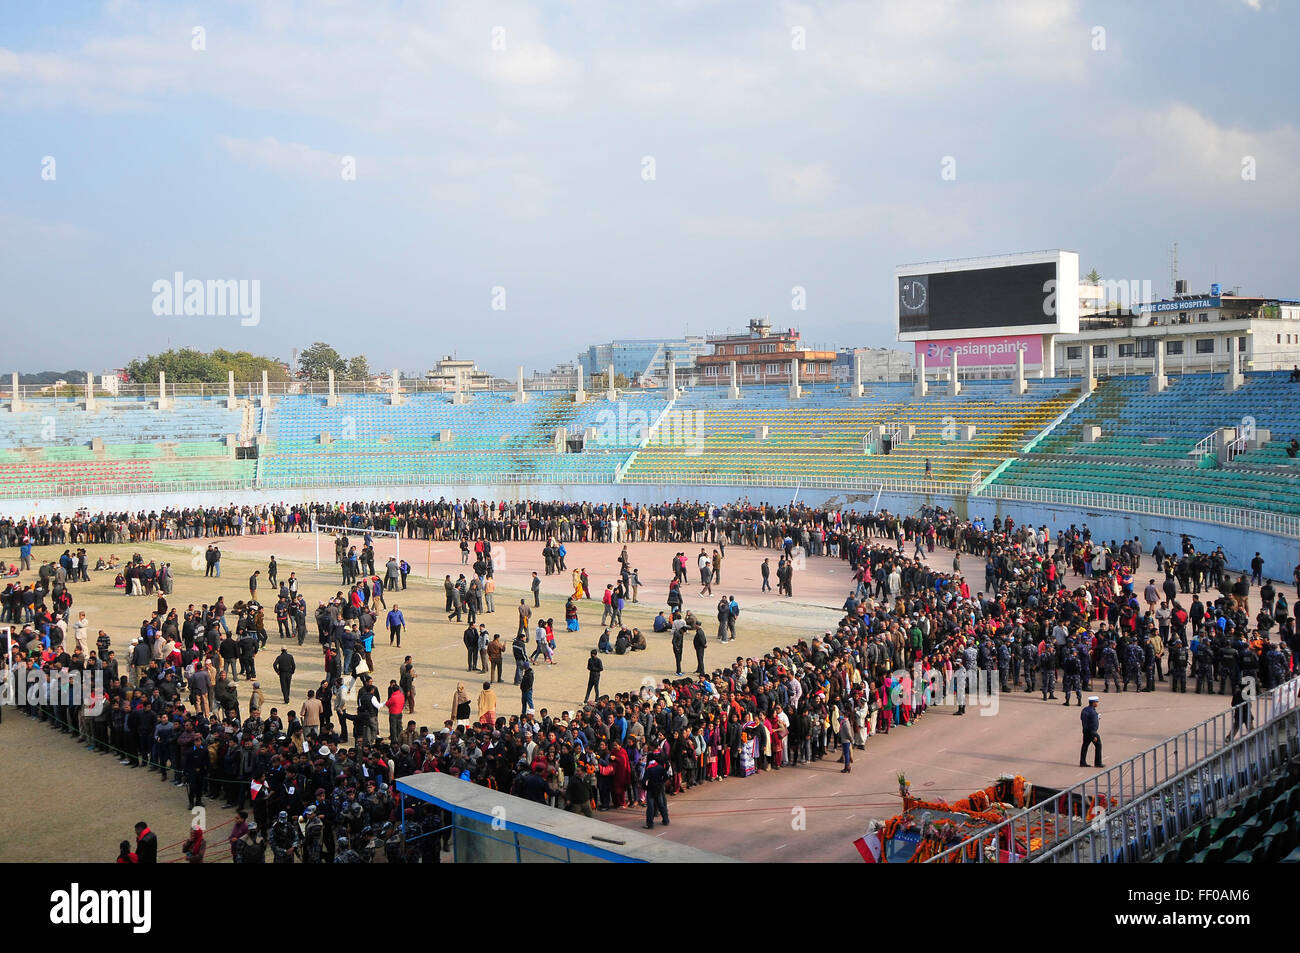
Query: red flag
[(869, 847)]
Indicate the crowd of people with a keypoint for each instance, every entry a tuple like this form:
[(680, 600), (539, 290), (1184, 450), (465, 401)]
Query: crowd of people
[(912, 636)]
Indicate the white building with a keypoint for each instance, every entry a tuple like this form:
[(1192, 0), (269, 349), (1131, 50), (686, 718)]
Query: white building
[(1195, 332), (447, 371), (877, 363)]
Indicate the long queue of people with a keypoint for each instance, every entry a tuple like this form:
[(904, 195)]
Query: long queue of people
[(817, 530), (912, 636)]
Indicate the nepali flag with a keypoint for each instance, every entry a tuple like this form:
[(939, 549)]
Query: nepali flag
[(870, 847)]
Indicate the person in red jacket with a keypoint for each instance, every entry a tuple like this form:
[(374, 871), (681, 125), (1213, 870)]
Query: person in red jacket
[(395, 704)]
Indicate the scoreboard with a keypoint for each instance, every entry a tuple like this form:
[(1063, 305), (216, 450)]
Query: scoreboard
[(1025, 293)]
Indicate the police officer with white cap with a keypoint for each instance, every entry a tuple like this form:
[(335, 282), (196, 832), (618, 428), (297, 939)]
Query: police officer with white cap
[(1091, 719)]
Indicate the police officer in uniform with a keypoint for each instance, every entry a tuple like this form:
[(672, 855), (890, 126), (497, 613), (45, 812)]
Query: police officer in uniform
[(989, 664), (1091, 719), (1070, 665), (1132, 665), (1248, 666), (1228, 665), (1109, 666), (313, 836), (1204, 667), (1177, 666), (283, 838), (1029, 661), (1047, 668), (1085, 661)]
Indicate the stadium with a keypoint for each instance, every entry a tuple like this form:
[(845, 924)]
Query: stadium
[(852, 433), (945, 464)]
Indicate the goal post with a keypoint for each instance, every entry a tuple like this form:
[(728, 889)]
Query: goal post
[(331, 532)]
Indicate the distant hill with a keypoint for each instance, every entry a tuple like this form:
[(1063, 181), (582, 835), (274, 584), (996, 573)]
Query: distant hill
[(43, 378)]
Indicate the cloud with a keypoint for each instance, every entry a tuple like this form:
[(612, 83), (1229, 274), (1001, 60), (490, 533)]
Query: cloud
[(31, 228), (804, 182), (1181, 151), (529, 64), (292, 158), (944, 44)]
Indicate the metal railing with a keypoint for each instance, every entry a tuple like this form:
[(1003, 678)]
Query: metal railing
[(1238, 517), (1235, 449), (757, 478), (1206, 446), (75, 390), (129, 488), (1094, 818), (1060, 419), (1134, 831)]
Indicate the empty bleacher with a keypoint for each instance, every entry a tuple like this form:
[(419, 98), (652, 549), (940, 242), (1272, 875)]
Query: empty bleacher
[(47, 448), (1265, 828), (1146, 443), (492, 437), (53, 446), (822, 435)]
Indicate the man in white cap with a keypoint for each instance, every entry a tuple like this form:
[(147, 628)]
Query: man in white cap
[(1091, 719)]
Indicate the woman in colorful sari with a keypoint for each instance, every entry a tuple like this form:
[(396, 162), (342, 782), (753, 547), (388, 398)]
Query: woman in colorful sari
[(622, 776), (885, 715), (781, 724), (711, 740), (861, 720), (577, 585), (724, 749), (771, 748)]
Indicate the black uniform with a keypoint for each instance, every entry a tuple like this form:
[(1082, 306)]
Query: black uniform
[(1228, 662), (1091, 719), (285, 666), (1070, 665), (1177, 666), (1204, 668)]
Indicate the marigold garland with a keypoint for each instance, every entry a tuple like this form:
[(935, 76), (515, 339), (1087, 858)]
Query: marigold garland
[(983, 809)]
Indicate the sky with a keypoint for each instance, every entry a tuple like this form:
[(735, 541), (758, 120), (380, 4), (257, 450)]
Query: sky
[(512, 182)]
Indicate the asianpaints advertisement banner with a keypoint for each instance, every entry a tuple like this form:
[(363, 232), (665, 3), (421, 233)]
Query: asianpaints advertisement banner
[(981, 352)]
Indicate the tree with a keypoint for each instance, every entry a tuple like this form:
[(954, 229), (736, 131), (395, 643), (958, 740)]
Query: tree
[(317, 361), (359, 368), (1092, 277), (249, 367), (189, 366), (182, 366)]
